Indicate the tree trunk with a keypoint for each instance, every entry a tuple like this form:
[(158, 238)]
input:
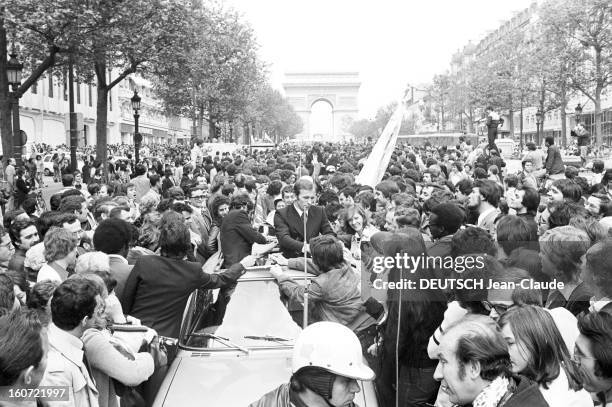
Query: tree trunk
[(511, 122), (200, 130), (471, 121), (598, 132), (521, 125), (101, 114), (564, 139), (598, 90), (212, 131), (5, 107)]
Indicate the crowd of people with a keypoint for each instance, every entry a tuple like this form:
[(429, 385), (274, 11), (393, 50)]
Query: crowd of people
[(128, 245)]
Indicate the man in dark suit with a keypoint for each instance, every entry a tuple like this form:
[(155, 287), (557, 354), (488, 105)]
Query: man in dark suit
[(112, 236), (158, 287), (289, 221), (237, 234)]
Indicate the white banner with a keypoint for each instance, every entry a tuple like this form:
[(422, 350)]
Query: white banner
[(374, 169)]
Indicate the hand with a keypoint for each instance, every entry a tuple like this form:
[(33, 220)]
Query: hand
[(276, 271), (271, 239), (131, 320), (373, 349), (279, 259), (150, 335), (248, 261)]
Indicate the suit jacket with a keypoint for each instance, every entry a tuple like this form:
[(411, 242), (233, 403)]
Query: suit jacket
[(157, 290), (237, 237), (290, 228), (120, 271)]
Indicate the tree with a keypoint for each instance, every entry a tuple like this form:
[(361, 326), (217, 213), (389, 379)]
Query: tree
[(438, 98), (586, 27), (362, 129), (136, 36), (42, 29), (218, 77)]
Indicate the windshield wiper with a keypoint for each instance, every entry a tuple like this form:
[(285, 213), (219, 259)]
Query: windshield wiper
[(222, 340), (267, 338)]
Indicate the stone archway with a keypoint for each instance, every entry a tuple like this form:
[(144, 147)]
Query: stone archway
[(339, 89)]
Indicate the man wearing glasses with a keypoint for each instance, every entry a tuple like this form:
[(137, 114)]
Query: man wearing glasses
[(593, 354)]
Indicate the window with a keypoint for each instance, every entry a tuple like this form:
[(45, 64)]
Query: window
[(51, 86), (34, 88), (90, 97)]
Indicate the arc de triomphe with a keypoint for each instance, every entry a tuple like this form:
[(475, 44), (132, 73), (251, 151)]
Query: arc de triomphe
[(339, 89)]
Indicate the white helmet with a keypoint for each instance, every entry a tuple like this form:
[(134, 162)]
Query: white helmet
[(333, 347)]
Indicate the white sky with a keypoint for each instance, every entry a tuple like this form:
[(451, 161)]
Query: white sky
[(389, 42)]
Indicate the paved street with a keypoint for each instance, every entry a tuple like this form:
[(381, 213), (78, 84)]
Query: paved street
[(50, 189)]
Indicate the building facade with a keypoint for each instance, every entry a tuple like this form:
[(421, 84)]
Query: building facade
[(44, 114), (523, 22)]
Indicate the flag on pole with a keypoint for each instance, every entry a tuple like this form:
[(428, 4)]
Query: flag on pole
[(375, 166)]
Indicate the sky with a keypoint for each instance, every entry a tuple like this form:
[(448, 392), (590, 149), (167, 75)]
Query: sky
[(391, 43)]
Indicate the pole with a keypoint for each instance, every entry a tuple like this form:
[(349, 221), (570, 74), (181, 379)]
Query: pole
[(305, 323), (136, 137), (17, 147), (306, 281), (73, 119)]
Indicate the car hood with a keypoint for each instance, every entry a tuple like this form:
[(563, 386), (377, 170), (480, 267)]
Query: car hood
[(224, 378)]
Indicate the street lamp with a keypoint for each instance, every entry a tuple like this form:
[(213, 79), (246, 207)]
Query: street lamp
[(538, 124), (14, 70), (578, 111), (137, 137)]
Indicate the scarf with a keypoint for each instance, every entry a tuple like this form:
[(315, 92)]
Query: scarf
[(491, 395)]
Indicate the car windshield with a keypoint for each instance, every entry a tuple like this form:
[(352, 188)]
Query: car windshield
[(255, 316)]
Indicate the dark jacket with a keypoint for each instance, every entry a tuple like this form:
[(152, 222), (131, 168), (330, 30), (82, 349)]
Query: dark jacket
[(290, 228), (578, 302), (554, 162), (237, 237), (524, 393), (439, 250), (157, 290)]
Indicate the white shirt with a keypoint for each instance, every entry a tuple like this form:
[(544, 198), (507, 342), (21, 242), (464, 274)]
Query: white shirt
[(299, 211), (47, 272), (483, 215), (559, 394)]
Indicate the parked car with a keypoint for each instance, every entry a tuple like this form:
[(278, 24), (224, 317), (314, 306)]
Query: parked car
[(48, 163), (236, 358)]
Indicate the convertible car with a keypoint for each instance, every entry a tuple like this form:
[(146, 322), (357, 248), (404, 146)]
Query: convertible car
[(231, 360)]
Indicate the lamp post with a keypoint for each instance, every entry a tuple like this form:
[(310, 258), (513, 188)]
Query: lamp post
[(538, 124), (14, 70), (137, 137), (578, 111)]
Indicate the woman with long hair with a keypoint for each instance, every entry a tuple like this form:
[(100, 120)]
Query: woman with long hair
[(219, 209), (148, 237), (406, 376), (537, 351), (357, 225)]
